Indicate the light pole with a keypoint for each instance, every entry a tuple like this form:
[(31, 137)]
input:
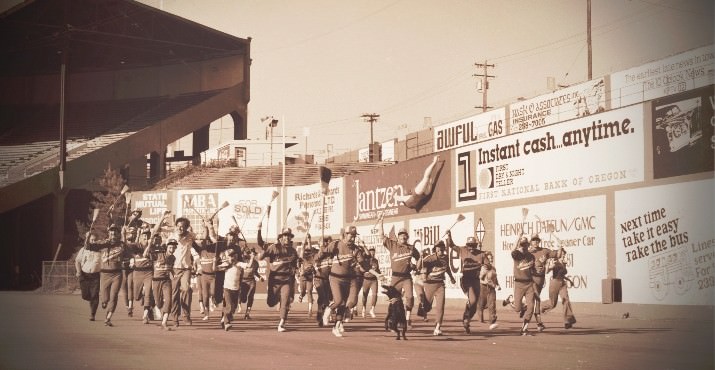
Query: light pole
[(271, 122), (306, 133)]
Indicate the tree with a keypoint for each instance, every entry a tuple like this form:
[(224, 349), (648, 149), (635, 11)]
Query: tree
[(112, 205)]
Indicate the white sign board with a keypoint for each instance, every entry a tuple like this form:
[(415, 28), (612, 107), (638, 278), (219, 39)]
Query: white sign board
[(665, 243), (580, 226), (470, 130), (597, 151), (678, 73), (568, 103), (310, 212), (426, 232)]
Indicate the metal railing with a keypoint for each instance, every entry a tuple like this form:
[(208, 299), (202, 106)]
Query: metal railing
[(59, 277)]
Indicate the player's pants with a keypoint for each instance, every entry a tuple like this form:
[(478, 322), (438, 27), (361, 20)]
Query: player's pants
[(369, 285), (280, 291), (405, 284), (109, 286), (181, 294), (471, 287), (142, 287), (340, 289), (231, 298), (558, 287), (161, 289), (434, 293), (89, 284), (524, 289)]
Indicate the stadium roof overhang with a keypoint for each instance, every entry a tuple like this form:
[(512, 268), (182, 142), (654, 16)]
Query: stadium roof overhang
[(103, 35)]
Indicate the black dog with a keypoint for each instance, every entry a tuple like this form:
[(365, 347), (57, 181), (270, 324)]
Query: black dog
[(396, 316)]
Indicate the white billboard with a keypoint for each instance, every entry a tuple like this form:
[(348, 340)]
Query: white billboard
[(665, 243), (568, 103), (426, 232), (369, 235), (246, 207), (592, 152), (387, 150), (470, 130), (310, 211), (678, 73), (577, 224)]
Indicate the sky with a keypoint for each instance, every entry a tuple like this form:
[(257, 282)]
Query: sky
[(323, 63)]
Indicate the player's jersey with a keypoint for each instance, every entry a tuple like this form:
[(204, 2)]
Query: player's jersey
[(400, 257), (523, 265), (345, 259), (282, 261), (113, 253), (162, 263), (436, 268), (471, 262), (541, 255)]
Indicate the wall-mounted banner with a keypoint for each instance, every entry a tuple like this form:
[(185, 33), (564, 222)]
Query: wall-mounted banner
[(370, 236), (152, 204), (600, 150), (364, 155), (426, 232), (568, 103), (665, 243), (683, 139), (678, 73), (246, 208), (417, 185), (577, 224), (196, 205), (306, 204), (474, 129), (387, 150)]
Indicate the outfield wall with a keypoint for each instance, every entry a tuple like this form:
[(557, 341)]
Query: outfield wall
[(622, 177)]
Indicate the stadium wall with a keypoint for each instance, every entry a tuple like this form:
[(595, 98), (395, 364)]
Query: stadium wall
[(627, 189)]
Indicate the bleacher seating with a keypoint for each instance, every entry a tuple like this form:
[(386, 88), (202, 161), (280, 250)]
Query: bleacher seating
[(30, 141), (260, 176)]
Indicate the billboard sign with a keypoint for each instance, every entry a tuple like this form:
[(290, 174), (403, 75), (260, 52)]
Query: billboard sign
[(592, 152)]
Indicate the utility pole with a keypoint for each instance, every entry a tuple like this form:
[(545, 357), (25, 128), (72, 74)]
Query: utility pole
[(485, 82), (372, 118), (588, 37)]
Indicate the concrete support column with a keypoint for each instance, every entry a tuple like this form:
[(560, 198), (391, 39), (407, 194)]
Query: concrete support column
[(58, 219), (157, 165)]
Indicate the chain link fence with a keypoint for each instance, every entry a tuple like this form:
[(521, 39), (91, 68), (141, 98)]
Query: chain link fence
[(59, 277)]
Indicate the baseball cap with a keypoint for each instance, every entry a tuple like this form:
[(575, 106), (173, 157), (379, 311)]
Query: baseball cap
[(352, 230), (287, 231)]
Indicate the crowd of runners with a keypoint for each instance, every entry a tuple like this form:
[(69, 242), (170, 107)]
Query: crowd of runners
[(155, 274)]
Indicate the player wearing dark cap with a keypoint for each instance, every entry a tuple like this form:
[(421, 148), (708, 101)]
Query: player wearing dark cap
[(162, 258), (523, 281), (110, 279), (541, 255), (472, 258), (342, 275), (282, 261), (401, 255), (369, 284)]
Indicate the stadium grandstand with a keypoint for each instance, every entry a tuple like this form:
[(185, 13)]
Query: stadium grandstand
[(91, 84), (87, 84)]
